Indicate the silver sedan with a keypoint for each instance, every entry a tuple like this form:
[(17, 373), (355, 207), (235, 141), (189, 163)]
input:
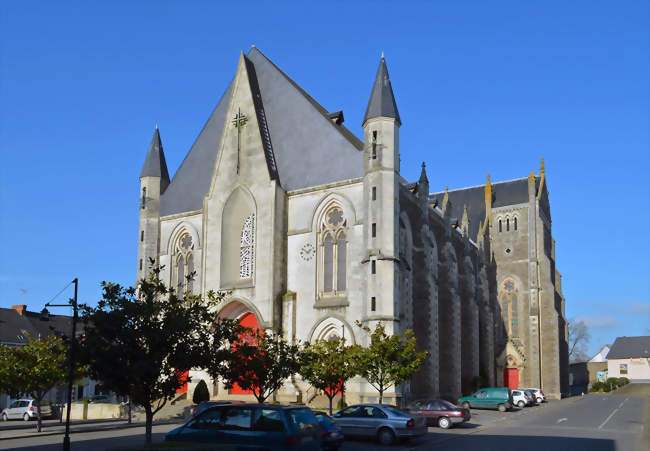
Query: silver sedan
[(386, 423)]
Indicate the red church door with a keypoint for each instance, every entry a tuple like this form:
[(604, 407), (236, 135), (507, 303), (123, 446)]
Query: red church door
[(248, 320), (511, 378)]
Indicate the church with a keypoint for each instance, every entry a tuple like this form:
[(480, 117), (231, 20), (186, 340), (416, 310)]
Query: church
[(310, 228)]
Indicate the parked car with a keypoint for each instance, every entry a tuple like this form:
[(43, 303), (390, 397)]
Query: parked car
[(207, 404), (489, 398), (386, 423), (331, 435), (101, 398), (257, 426), (532, 395), (438, 412), (521, 399), (539, 394), (25, 409)]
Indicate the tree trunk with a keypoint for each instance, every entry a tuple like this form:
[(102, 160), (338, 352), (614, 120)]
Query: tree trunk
[(381, 393), (38, 413), (330, 398), (148, 424)]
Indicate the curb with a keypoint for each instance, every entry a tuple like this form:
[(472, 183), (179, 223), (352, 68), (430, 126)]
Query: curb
[(96, 429), (32, 424)]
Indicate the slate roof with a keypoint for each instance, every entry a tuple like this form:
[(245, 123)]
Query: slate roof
[(630, 347), (155, 164), (298, 135), (382, 101), (505, 193), (14, 328)]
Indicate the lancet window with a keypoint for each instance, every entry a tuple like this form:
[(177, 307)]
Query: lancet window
[(183, 264), (510, 308), (333, 251), (247, 249)]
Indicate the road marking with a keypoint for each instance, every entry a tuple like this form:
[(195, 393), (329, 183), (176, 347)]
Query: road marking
[(561, 420), (608, 418)]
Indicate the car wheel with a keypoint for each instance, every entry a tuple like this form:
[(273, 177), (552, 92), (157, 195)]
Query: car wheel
[(5, 417), (502, 407), (26, 417), (539, 400), (521, 404), (466, 405), (444, 422), (385, 436)]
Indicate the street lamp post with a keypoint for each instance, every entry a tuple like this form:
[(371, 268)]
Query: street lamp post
[(73, 342)]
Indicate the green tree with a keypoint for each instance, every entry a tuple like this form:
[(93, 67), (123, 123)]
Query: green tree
[(260, 361), (327, 366), (140, 343), (389, 360), (201, 393), (33, 369)]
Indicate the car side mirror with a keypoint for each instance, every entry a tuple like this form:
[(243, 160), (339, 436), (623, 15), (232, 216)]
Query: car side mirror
[(336, 415)]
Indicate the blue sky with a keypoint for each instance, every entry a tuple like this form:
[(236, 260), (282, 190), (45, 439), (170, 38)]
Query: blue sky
[(482, 87)]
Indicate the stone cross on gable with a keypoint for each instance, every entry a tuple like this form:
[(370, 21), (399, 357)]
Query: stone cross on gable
[(239, 121)]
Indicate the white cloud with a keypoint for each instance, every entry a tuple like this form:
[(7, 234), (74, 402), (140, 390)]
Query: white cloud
[(599, 321)]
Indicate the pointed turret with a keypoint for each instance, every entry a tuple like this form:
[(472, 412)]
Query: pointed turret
[(155, 164), (382, 101)]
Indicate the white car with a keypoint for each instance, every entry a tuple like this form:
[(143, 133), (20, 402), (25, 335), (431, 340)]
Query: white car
[(539, 394), (521, 399), (25, 409)]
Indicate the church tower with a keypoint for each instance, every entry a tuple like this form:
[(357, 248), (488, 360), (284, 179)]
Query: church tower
[(154, 179), (381, 177)]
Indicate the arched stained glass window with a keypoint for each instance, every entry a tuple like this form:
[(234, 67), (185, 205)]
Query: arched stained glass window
[(246, 254), (180, 271), (190, 270), (183, 264), (334, 251)]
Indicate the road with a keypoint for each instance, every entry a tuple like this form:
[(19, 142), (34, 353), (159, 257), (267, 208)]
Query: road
[(592, 423)]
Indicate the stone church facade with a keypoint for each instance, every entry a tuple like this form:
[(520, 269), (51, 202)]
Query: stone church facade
[(310, 228)]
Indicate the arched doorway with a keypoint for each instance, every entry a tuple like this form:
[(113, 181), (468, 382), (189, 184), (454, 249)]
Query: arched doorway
[(243, 314)]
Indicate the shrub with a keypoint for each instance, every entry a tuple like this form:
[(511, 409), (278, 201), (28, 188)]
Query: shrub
[(201, 393), (607, 388), (596, 386), (612, 380), (623, 381)]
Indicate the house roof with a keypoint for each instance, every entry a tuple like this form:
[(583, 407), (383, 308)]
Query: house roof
[(630, 347), (15, 328), (298, 135)]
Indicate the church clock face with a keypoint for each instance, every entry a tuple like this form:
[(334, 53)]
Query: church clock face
[(307, 252)]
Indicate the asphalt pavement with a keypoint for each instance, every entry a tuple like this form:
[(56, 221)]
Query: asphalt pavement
[(589, 423)]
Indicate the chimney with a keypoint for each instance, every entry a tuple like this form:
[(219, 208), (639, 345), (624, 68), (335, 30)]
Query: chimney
[(20, 309)]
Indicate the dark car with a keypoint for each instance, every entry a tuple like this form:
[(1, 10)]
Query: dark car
[(257, 426), (332, 437), (207, 404), (439, 412), (384, 422)]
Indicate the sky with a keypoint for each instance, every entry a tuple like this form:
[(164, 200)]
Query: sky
[(481, 87)]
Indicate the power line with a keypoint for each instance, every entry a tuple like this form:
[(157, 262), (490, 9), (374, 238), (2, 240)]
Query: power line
[(57, 295)]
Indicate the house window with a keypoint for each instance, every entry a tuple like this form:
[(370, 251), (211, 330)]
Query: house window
[(507, 224), (140, 264), (373, 267), (374, 193), (374, 229), (515, 223), (500, 226), (246, 251), (373, 304), (142, 235), (144, 197), (333, 251)]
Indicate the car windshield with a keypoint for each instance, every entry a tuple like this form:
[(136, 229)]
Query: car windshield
[(447, 405), (302, 419), (394, 411), (324, 419)]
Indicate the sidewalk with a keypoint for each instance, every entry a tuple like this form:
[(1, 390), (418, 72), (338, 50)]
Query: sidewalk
[(7, 433)]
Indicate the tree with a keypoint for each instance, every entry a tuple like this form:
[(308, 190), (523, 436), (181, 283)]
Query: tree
[(142, 345), (201, 393), (261, 362), (389, 360), (327, 365), (578, 340), (34, 369)]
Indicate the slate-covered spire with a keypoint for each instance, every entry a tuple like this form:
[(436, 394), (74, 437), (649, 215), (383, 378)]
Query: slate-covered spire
[(382, 101), (423, 175), (155, 164)]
